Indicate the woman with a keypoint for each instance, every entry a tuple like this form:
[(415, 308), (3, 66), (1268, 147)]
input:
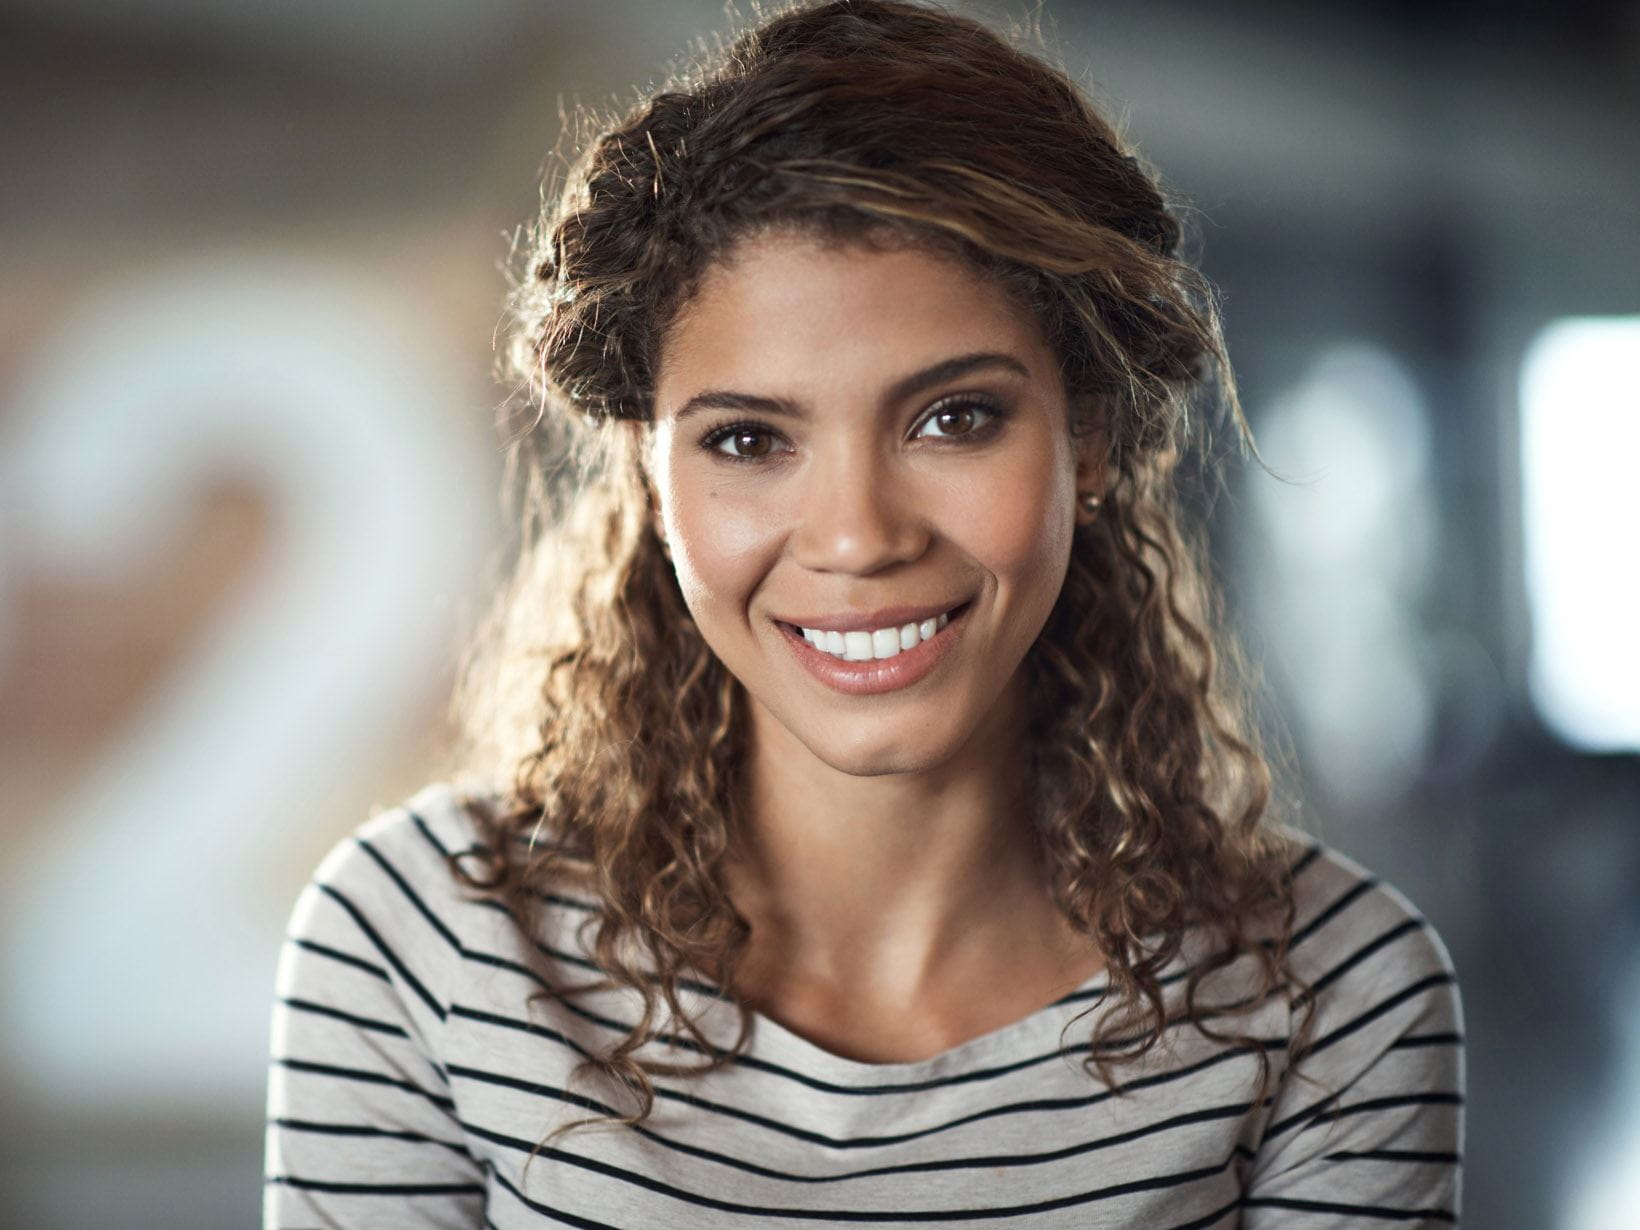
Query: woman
[(881, 839)]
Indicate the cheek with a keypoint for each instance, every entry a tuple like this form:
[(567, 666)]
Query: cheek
[(1025, 533), (721, 549)]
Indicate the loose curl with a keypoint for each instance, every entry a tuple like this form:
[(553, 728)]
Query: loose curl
[(880, 123)]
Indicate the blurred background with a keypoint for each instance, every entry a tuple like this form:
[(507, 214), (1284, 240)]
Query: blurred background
[(250, 272)]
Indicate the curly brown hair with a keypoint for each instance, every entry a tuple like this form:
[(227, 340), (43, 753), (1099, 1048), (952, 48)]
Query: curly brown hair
[(867, 121)]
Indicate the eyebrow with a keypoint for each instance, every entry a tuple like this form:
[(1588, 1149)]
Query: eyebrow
[(908, 386)]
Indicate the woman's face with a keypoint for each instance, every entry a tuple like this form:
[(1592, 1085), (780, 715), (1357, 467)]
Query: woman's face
[(873, 446)]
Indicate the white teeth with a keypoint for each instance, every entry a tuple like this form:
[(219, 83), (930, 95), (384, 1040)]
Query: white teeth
[(878, 644)]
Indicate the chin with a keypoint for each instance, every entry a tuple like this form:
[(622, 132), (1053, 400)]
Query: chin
[(871, 755)]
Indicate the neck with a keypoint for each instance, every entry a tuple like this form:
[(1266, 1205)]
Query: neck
[(890, 879)]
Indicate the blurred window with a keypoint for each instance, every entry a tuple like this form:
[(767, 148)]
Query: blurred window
[(1580, 447)]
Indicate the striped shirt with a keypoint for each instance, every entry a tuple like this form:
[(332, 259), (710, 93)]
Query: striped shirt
[(413, 1084)]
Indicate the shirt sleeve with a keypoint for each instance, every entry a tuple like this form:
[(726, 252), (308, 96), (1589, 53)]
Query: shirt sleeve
[(1367, 1124), (362, 1131)]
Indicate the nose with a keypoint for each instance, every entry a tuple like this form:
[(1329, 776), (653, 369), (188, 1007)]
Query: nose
[(858, 515)]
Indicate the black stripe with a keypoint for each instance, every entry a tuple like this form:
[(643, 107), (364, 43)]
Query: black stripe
[(1318, 1112), (363, 1022), (1377, 1212), (543, 1031), (432, 838), (551, 1214), (1304, 863), (461, 1011), (558, 899), (1377, 1010), (364, 1075), (336, 954), (961, 1163), (557, 954), (1280, 1126), (1393, 1101), (699, 988), (1187, 1119), (379, 1189), (1361, 954), (399, 967), (696, 1102), (1394, 1155), (374, 1133), (1416, 1040), (1360, 889), (1309, 858), (1155, 1183), (433, 920), (1216, 1215), (483, 958)]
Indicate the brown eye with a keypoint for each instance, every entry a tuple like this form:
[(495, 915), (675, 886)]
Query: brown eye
[(741, 442), (748, 443), (955, 420)]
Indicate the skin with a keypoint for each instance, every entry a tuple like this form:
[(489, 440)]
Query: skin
[(888, 869)]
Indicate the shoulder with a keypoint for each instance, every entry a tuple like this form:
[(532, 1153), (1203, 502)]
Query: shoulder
[(361, 1110), (1352, 929), (405, 850), (1368, 1117), (387, 899), (1362, 971), (1376, 1009)]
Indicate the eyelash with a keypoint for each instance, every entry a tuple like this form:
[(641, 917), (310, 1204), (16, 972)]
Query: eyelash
[(991, 410)]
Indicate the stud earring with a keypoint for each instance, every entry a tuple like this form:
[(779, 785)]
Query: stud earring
[(1090, 503)]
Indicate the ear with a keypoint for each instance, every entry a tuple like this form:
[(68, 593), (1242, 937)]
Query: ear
[(1092, 453)]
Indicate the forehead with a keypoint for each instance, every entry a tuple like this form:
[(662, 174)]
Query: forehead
[(793, 310)]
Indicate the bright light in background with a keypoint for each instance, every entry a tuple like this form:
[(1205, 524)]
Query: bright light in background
[(1580, 452), (1346, 543)]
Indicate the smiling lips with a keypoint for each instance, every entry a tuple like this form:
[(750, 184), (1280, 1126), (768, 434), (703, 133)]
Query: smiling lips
[(880, 652), (878, 644)]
